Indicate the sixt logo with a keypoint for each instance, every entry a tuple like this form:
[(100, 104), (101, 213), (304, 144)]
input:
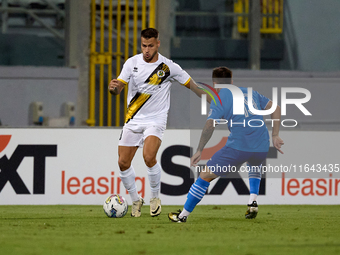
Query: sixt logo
[(9, 166)]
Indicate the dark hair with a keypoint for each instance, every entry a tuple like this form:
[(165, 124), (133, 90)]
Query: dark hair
[(148, 33), (222, 75)]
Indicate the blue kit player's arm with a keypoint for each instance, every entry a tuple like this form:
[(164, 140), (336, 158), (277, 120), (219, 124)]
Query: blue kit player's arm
[(216, 112), (207, 132), (276, 115), (267, 104)]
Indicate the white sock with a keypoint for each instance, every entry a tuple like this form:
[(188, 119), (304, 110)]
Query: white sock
[(154, 174), (128, 178), (184, 213), (252, 198)]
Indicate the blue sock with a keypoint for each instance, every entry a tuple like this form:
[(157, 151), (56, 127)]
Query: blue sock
[(254, 181), (196, 194), (254, 184)]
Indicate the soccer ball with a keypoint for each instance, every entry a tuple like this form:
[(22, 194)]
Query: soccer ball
[(115, 206)]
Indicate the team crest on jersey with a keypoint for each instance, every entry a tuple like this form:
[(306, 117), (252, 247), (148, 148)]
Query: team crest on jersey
[(161, 72)]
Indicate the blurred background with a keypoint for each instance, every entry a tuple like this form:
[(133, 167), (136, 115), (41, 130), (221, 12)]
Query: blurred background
[(58, 56)]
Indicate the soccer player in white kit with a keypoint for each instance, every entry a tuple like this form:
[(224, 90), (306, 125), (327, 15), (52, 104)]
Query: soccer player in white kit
[(149, 76)]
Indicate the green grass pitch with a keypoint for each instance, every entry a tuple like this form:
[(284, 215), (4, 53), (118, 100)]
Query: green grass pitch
[(64, 229)]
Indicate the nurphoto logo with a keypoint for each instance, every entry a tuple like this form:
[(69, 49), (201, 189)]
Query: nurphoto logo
[(239, 101)]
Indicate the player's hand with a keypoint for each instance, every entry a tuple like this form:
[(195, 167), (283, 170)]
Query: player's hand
[(195, 158), (278, 142), (113, 87)]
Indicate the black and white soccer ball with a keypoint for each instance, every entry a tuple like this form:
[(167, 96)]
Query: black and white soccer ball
[(115, 206)]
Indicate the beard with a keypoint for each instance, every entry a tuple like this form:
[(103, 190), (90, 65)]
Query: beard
[(150, 57)]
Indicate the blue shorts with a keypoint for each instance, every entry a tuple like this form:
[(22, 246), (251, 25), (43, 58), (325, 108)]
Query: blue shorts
[(228, 159)]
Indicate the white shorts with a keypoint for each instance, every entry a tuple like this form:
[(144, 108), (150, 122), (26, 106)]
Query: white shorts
[(135, 134)]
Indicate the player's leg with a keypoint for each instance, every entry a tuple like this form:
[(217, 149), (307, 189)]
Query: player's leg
[(254, 187), (221, 158), (129, 141), (128, 175), (195, 195), (218, 165), (254, 173), (150, 149)]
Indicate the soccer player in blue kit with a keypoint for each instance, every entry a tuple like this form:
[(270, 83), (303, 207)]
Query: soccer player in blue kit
[(245, 144)]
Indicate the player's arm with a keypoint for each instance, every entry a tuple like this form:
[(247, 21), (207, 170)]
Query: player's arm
[(116, 86), (193, 87), (276, 115), (207, 132)]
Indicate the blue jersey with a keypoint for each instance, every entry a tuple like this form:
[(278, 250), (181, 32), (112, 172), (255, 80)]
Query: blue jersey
[(244, 135)]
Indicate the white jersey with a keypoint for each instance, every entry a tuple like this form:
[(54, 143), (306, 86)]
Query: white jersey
[(149, 88)]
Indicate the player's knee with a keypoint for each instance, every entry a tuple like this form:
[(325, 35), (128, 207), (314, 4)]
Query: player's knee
[(124, 164), (150, 161), (207, 176), (207, 179)]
